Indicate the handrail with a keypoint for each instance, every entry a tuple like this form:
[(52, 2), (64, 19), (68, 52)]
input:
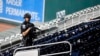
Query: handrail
[(47, 45)]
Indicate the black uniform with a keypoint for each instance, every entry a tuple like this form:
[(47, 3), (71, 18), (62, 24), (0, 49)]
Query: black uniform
[(27, 40)]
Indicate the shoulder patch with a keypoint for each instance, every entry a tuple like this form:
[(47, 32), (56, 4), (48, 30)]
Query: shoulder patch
[(23, 26)]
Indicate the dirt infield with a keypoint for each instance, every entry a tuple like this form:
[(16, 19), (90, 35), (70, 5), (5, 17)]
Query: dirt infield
[(4, 26)]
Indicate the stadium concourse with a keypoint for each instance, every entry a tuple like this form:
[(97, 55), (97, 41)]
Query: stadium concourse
[(80, 29)]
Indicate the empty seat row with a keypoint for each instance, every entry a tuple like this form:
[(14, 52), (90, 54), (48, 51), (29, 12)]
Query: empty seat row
[(77, 30)]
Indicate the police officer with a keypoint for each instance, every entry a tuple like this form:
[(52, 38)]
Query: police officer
[(28, 30)]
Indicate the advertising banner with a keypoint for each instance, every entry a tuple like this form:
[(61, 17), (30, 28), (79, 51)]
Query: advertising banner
[(15, 9)]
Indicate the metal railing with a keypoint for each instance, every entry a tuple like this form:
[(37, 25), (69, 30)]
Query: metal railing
[(65, 52)]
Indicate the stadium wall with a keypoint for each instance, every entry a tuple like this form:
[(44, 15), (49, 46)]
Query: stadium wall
[(70, 6)]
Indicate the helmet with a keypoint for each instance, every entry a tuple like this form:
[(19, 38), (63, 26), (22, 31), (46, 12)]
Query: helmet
[(27, 15)]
